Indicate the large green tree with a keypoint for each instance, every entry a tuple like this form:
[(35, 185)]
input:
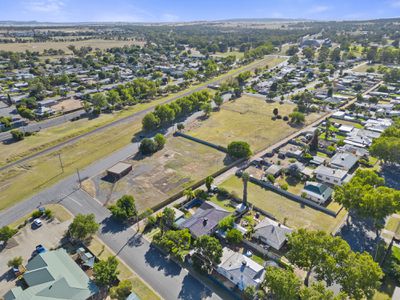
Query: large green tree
[(83, 227), (106, 271), (239, 149), (209, 252), (124, 209), (282, 284)]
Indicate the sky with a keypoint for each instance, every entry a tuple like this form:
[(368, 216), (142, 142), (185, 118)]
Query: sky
[(193, 10)]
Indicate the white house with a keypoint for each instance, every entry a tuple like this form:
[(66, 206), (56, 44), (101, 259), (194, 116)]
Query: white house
[(331, 175), (318, 192), (240, 270)]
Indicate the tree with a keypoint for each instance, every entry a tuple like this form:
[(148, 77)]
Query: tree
[(208, 252), (189, 193), (239, 149), (106, 271), (234, 236), (148, 146), (175, 242), (206, 108), (160, 141), (218, 100), (124, 209), (245, 179), (83, 227), (150, 122), (15, 262), (7, 233), (17, 135), (297, 117), (314, 141), (282, 284), (317, 291), (275, 111), (226, 223), (167, 219), (99, 100), (308, 52), (292, 50), (209, 181), (360, 276), (122, 290)]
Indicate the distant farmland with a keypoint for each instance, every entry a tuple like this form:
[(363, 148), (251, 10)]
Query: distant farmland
[(40, 47)]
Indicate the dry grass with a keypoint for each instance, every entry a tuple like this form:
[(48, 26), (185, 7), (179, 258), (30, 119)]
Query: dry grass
[(40, 47), (155, 178), (297, 215), (247, 119)]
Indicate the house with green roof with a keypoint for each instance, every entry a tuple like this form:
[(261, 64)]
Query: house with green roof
[(318, 192), (54, 275)]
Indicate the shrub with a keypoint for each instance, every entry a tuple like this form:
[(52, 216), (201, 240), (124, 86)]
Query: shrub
[(279, 117), (226, 223), (284, 186), (160, 141), (147, 146), (6, 233), (234, 236), (48, 213), (15, 262), (271, 178), (17, 135), (286, 118), (303, 195), (36, 214)]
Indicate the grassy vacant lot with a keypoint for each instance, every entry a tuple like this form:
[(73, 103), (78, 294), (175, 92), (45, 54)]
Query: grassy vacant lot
[(350, 123), (247, 119), (297, 216), (155, 178), (100, 250), (40, 47)]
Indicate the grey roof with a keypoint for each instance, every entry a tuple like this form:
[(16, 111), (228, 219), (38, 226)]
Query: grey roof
[(273, 169), (54, 275), (272, 231), (205, 219), (241, 268), (344, 160), (119, 168), (319, 189), (331, 172)]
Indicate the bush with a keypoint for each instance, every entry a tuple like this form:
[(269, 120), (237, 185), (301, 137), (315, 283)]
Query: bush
[(284, 186), (147, 146), (303, 195), (15, 262), (279, 117), (286, 118), (297, 117), (6, 233), (271, 178), (160, 141), (331, 148), (36, 214), (48, 213), (234, 236), (226, 223), (239, 149), (17, 135)]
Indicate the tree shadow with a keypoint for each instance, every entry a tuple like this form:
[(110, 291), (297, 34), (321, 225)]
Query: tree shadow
[(7, 276), (155, 259), (360, 234), (110, 225), (193, 289), (391, 175)]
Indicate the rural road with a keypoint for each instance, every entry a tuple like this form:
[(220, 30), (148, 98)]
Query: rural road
[(134, 116)]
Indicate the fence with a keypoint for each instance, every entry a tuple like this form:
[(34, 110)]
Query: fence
[(215, 146), (290, 196)]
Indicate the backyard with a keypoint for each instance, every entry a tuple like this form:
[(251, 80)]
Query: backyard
[(295, 214), (248, 119), (155, 178)]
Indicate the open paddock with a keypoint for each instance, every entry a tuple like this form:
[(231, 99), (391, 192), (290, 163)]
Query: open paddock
[(247, 119)]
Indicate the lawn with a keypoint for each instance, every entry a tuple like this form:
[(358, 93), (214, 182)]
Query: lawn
[(155, 178), (350, 123), (40, 47), (100, 250), (363, 68), (224, 203), (296, 215), (295, 186), (248, 119), (392, 224)]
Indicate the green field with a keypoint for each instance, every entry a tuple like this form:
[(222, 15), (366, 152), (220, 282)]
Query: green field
[(154, 178), (247, 119), (297, 215)]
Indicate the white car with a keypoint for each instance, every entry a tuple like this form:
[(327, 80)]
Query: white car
[(37, 222)]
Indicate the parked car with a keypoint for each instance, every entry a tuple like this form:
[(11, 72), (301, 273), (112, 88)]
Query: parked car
[(40, 249), (37, 223)]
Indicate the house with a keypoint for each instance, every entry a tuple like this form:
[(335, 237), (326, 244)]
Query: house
[(346, 129), (271, 233), (274, 170), (290, 150), (344, 160), (205, 220), (53, 275), (240, 270), (317, 192), (331, 175)]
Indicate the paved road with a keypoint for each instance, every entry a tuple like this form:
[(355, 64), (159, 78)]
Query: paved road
[(134, 116)]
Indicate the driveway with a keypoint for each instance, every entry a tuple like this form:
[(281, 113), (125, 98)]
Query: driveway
[(25, 240)]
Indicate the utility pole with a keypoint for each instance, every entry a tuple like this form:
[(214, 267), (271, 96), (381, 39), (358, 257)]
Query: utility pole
[(61, 163), (79, 178)]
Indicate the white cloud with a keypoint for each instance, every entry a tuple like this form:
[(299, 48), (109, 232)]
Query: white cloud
[(46, 6), (318, 9)]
